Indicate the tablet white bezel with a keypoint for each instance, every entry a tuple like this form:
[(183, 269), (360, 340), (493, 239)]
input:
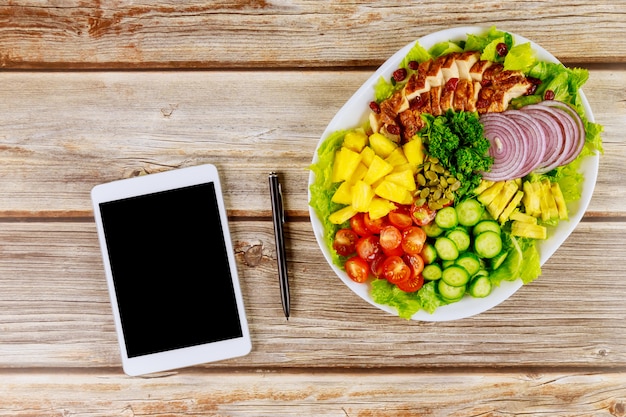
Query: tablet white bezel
[(188, 356)]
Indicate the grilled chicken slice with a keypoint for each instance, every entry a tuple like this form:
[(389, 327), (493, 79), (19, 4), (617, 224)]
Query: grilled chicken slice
[(458, 81), (464, 62)]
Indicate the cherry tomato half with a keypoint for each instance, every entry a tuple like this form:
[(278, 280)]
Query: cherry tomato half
[(400, 217), (413, 240), (357, 223), (368, 248), (345, 242), (390, 237), (422, 215), (376, 266), (396, 270), (357, 269), (415, 262), (374, 225), (414, 283)]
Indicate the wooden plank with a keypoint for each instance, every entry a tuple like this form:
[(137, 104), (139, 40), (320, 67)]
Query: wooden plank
[(337, 394), (63, 133), (241, 34), (55, 313)]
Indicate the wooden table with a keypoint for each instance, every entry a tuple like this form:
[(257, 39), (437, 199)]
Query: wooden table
[(93, 91)]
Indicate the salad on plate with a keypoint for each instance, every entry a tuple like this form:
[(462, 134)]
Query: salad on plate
[(454, 173)]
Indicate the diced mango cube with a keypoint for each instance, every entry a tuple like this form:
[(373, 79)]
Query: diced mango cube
[(362, 195), (377, 169)]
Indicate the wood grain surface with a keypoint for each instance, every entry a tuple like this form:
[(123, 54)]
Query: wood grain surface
[(92, 91)]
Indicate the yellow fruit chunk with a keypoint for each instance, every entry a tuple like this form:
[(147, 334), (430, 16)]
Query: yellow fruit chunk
[(406, 167), (513, 204), (533, 231), (532, 198), (362, 195), (484, 184), (405, 179), (548, 205), (380, 207), (355, 140), (414, 151), (382, 145), (342, 215), (367, 155), (522, 217), (502, 199), (560, 201), (343, 194), (490, 193), (397, 157), (393, 192), (377, 169), (345, 163), (359, 173)]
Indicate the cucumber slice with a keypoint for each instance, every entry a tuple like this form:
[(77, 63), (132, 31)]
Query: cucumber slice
[(449, 292), (432, 272), (486, 225), (488, 244), (446, 248), (432, 229), (455, 276), (469, 262), (460, 237), (446, 218), (469, 212), (498, 260), (480, 287)]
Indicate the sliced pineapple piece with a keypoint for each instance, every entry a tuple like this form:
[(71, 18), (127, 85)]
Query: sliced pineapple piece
[(342, 215), (381, 144), (490, 193), (394, 192), (362, 195), (513, 204), (532, 198), (414, 151), (405, 179), (346, 162), (523, 217), (377, 170), (380, 207), (533, 231), (355, 140), (396, 157), (367, 156), (560, 201), (343, 194), (502, 199)]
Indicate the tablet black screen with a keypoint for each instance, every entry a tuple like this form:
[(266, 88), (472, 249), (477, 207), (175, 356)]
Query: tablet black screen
[(170, 270)]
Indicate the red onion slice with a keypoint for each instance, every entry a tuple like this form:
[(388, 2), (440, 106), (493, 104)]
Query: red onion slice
[(534, 140), (508, 152)]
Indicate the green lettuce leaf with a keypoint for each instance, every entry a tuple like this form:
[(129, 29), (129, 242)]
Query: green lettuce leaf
[(322, 189), (444, 48), (386, 293), (520, 58)]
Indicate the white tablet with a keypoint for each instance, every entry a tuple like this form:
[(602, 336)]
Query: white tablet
[(170, 269)]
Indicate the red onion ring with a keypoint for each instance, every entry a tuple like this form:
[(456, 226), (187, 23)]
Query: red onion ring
[(507, 150)]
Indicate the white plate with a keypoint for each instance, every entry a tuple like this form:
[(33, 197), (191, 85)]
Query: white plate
[(354, 114)]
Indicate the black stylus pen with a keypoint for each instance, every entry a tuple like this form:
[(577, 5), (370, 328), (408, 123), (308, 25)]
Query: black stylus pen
[(278, 216)]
